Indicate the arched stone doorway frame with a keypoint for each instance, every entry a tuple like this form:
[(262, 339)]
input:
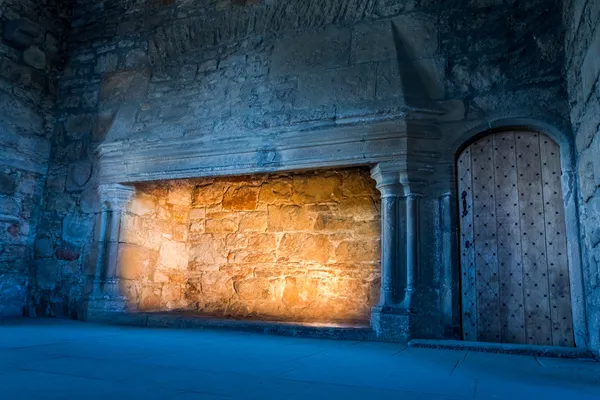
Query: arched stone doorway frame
[(570, 190)]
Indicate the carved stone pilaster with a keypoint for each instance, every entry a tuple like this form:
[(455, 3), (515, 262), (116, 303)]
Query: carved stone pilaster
[(105, 296), (387, 319), (391, 190), (413, 191)]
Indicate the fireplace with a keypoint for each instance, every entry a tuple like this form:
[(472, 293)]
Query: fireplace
[(237, 228), (301, 247)]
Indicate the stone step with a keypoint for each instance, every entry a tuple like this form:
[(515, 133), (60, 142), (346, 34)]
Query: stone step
[(504, 348)]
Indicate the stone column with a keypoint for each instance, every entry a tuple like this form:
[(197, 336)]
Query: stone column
[(412, 246), (450, 275), (105, 295), (390, 192), (388, 319)]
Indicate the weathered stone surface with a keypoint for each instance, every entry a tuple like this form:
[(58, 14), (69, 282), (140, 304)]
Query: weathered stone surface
[(373, 42), (122, 86), (337, 86), (417, 35), (79, 126), (76, 228), (67, 253), (299, 247), (173, 255), (22, 33), (244, 198), (35, 57), (136, 262), (312, 50), (8, 183), (316, 189), (44, 248), (79, 174), (107, 63)]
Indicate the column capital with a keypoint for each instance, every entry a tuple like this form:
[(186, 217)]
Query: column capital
[(387, 177), (115, 196)]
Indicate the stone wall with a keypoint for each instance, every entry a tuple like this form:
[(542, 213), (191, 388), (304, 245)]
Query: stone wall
[(30, 59), (582, 18), (296, 247)]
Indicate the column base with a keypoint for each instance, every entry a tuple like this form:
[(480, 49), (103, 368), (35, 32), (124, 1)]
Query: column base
[(104, 302), (392, 323)]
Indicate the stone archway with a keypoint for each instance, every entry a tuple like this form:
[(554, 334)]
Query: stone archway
[(515, 284)]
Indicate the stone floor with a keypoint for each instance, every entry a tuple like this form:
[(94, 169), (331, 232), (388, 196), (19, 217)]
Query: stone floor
[(51, 359)]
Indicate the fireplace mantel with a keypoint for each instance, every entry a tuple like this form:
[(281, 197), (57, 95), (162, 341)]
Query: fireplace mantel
[(341, 144)]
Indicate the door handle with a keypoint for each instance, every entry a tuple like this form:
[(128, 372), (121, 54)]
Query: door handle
[(465, 211)]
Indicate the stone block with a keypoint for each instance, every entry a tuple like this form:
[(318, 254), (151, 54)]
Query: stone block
[(254, 222), (226, 223), (416, 79), (373, 41), (216, 287), (173, 255), (357, 251), (590, 69), (76, 228), (136, 262), (596, 158), (78, 127), (15, 253), (136, 58), (309, 189), (586, 175), (107, 63), (78, 176), (255, 289), (21, 33), (310, 51), (34, 57), (289, 218), (344, 85), (46, 273), (416, 35), (22, 115), (9, 206), (243, 198), (209, 194), (44, 248), (276, 191), (304, 247), (67, 252), (126, 85), (143, 204), (8, 184)]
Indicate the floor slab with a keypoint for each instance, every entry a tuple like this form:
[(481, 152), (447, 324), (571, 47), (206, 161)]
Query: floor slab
[(55, 359)]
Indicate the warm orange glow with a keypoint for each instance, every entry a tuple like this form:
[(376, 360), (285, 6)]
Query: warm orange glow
[(289, 247)]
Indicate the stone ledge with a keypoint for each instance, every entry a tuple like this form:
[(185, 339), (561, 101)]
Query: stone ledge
[(504, 348), (341, 331)]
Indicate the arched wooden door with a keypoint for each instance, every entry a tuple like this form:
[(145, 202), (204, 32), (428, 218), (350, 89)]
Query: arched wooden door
[(514, 265)]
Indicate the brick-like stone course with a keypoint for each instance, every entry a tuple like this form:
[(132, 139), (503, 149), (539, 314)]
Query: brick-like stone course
[(297, 247)]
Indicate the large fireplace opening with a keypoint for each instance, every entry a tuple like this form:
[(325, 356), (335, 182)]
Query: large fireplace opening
[(294, 247)]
